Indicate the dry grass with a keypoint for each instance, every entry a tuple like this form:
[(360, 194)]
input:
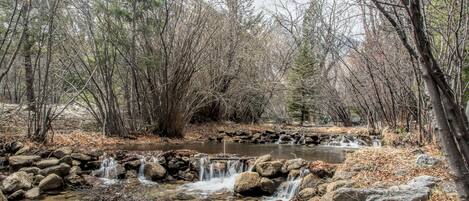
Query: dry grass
[(392, 166)]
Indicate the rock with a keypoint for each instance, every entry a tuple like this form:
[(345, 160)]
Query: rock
[(17, 181), (91, 180), (154, 171), (63, 151), (32, 170), (322, 169), (262, 159), (32, 193), (67, 160), (92, 165), (37, 178), (269, 169), (51, 182), (47, 163), (15, 146), (120, 171), (132, 165), (247, 184), (75, 170), (23, 150), (418, 189), (76, 163), (424, 160), (268, 186), (75, 180), (17, 195), (293, 164), (339, 184), (311, 181), (22, 160), (80, 157), (61, 170), (183, 196), (307, 193)]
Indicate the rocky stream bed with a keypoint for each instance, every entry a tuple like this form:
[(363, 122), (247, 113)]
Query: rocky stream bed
[(65, 173)]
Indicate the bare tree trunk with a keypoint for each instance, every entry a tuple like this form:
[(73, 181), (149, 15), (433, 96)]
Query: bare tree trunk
[(454, 144)]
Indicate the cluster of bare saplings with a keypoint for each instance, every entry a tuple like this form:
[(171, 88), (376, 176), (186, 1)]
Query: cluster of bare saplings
[(158, 65)]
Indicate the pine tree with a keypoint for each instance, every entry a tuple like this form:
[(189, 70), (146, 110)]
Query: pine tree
[(301, 83)]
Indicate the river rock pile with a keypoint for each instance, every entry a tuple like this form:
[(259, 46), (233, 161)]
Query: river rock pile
[(267, 175), (287, 137), (28, 172)]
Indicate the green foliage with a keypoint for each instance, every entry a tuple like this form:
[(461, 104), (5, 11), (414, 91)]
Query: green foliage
[(301, 80)]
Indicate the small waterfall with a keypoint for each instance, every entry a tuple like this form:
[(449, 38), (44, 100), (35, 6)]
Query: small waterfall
[(216, 175), (290, 188), (141, 173), (107, 171)]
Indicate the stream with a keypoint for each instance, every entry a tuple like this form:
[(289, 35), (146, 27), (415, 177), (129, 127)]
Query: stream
[(217, 177)]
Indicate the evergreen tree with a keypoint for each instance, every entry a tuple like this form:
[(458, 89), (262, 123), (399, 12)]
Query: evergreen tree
[(301, 83)]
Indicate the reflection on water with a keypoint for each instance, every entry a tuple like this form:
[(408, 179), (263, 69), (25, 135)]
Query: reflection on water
[(278, 151)]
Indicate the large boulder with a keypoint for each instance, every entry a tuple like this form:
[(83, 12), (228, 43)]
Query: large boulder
[(61, 170), (268, 186), (63, 151), (269, 169), (51, 182), (424, 160), (17, 181), (22, 160), (154, 171), (248, 184), (45, 163)]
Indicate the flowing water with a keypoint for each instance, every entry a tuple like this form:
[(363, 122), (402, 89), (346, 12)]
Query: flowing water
[(290, 188), (107, 172), (216, 175)]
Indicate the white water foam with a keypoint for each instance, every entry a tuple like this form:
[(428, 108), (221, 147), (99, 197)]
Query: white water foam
[(288, 189), (107, 171), (216, 176)]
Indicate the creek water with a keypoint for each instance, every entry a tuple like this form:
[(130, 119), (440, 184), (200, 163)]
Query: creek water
[(330, 154), (218, 178)]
